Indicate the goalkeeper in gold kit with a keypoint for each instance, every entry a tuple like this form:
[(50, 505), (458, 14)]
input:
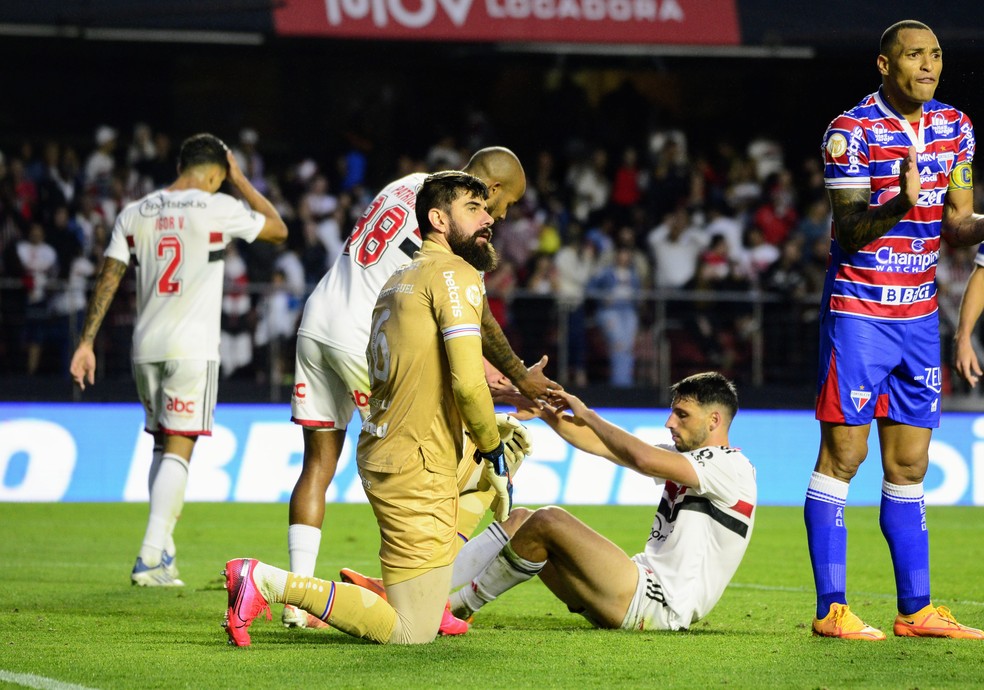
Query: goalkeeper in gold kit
[(428, 382)]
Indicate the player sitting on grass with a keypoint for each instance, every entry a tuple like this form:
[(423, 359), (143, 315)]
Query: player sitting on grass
[(698, 538)]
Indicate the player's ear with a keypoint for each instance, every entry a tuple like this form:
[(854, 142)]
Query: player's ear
[(437, 220), (715, 419), (882, 63)]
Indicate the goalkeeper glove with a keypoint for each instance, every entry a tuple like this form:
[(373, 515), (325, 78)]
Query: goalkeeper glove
[(496, 473), (515, 437), (495, 458)]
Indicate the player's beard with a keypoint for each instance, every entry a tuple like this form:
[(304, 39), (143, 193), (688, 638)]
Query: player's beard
[(482, 257)]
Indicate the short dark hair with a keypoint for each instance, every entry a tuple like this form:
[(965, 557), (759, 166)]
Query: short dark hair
[(708, 388), (202, 149), (891, 34), (440, 191)]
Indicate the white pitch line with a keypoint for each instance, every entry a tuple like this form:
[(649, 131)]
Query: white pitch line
[(29, 680), (873, 595)]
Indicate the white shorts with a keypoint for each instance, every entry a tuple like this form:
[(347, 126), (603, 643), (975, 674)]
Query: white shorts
[(178, 396), (329, 385), (648, 610)]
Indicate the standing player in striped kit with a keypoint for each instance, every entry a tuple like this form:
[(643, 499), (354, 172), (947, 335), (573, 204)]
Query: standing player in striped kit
[(898, 173), (176, 237)]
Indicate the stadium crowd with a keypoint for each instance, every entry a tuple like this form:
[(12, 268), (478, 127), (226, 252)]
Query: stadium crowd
[(592, 258)]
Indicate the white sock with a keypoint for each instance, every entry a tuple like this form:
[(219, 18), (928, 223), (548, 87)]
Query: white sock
[(271, 581), (303, 543), (504, 572), (166, 502), (477, 553)]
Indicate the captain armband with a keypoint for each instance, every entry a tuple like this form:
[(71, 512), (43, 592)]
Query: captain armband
[(962, 176)]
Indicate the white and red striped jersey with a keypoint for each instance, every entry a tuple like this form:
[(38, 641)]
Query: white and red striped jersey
[(339, 310), (699, 536), (893, 277), (177, 239)]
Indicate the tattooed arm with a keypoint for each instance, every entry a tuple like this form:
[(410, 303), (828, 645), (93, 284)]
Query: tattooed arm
[(530, 382), (856, 223), (83, 367)]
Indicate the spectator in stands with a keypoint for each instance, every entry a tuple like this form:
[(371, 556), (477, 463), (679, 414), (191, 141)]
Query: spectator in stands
[(140, 157), (250, 159), (675, 245), (587, 181), (815, 223), (39, 263), (776, 214), (759, 254), (618, 286), (101, 164), (576, 262), (671, 174), (626, 186), (238, 319)]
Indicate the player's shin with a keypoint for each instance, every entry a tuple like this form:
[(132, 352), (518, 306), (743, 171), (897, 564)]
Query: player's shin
[(477, 554), (504, 572), (349, 608)]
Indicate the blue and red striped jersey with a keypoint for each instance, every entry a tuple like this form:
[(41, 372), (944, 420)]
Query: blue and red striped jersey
[(893, 277)]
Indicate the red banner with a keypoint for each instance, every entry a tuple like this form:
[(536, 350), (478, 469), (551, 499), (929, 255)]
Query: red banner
[(679, 22)]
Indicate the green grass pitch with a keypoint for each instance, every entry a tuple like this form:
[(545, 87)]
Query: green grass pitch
[(68, 614)]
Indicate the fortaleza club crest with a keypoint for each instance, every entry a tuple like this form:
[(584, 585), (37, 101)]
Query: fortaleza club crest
[(860, 398)]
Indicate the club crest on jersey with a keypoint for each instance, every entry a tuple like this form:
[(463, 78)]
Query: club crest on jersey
[(860, 398), (473, 295)]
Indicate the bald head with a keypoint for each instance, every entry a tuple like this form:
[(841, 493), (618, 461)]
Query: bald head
[(500, 169)]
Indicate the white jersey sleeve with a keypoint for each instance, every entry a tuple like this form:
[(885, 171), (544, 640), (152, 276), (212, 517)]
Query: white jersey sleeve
[(699, 536), (339, 310), (177, 240)]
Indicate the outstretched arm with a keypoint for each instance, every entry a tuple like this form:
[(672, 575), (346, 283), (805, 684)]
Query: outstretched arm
[(83, 366), (531, 382), (586, 429)]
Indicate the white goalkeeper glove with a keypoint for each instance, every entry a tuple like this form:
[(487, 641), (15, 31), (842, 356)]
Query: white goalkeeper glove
[(496, 473), (516, 439)]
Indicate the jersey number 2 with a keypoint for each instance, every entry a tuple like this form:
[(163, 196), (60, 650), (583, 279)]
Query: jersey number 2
[(169, 253), (374, 231)]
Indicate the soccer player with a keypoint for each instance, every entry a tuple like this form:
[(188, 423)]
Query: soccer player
[(331, 380), (898, 174), (176, 237), (699, 535), (428, 383)]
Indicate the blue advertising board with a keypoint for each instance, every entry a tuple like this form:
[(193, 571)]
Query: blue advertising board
[(99, 452)]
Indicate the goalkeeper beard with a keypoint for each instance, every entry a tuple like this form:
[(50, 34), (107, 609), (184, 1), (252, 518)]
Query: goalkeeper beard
[(482, 257)]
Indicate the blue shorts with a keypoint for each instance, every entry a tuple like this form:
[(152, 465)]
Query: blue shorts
[(874, 368)]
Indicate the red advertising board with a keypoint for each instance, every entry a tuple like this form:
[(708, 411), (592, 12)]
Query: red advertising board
[(679, 22)]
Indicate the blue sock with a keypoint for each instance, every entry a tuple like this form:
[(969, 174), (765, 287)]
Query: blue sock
[(826, 535), (903, 522)]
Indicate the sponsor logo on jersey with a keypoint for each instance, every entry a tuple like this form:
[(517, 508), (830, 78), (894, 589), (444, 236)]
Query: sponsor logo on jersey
[(860, 398), (940, 125), (881, 133), (891, 261), (905, 295), (153, 206), (453, 293), (837, 145)]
